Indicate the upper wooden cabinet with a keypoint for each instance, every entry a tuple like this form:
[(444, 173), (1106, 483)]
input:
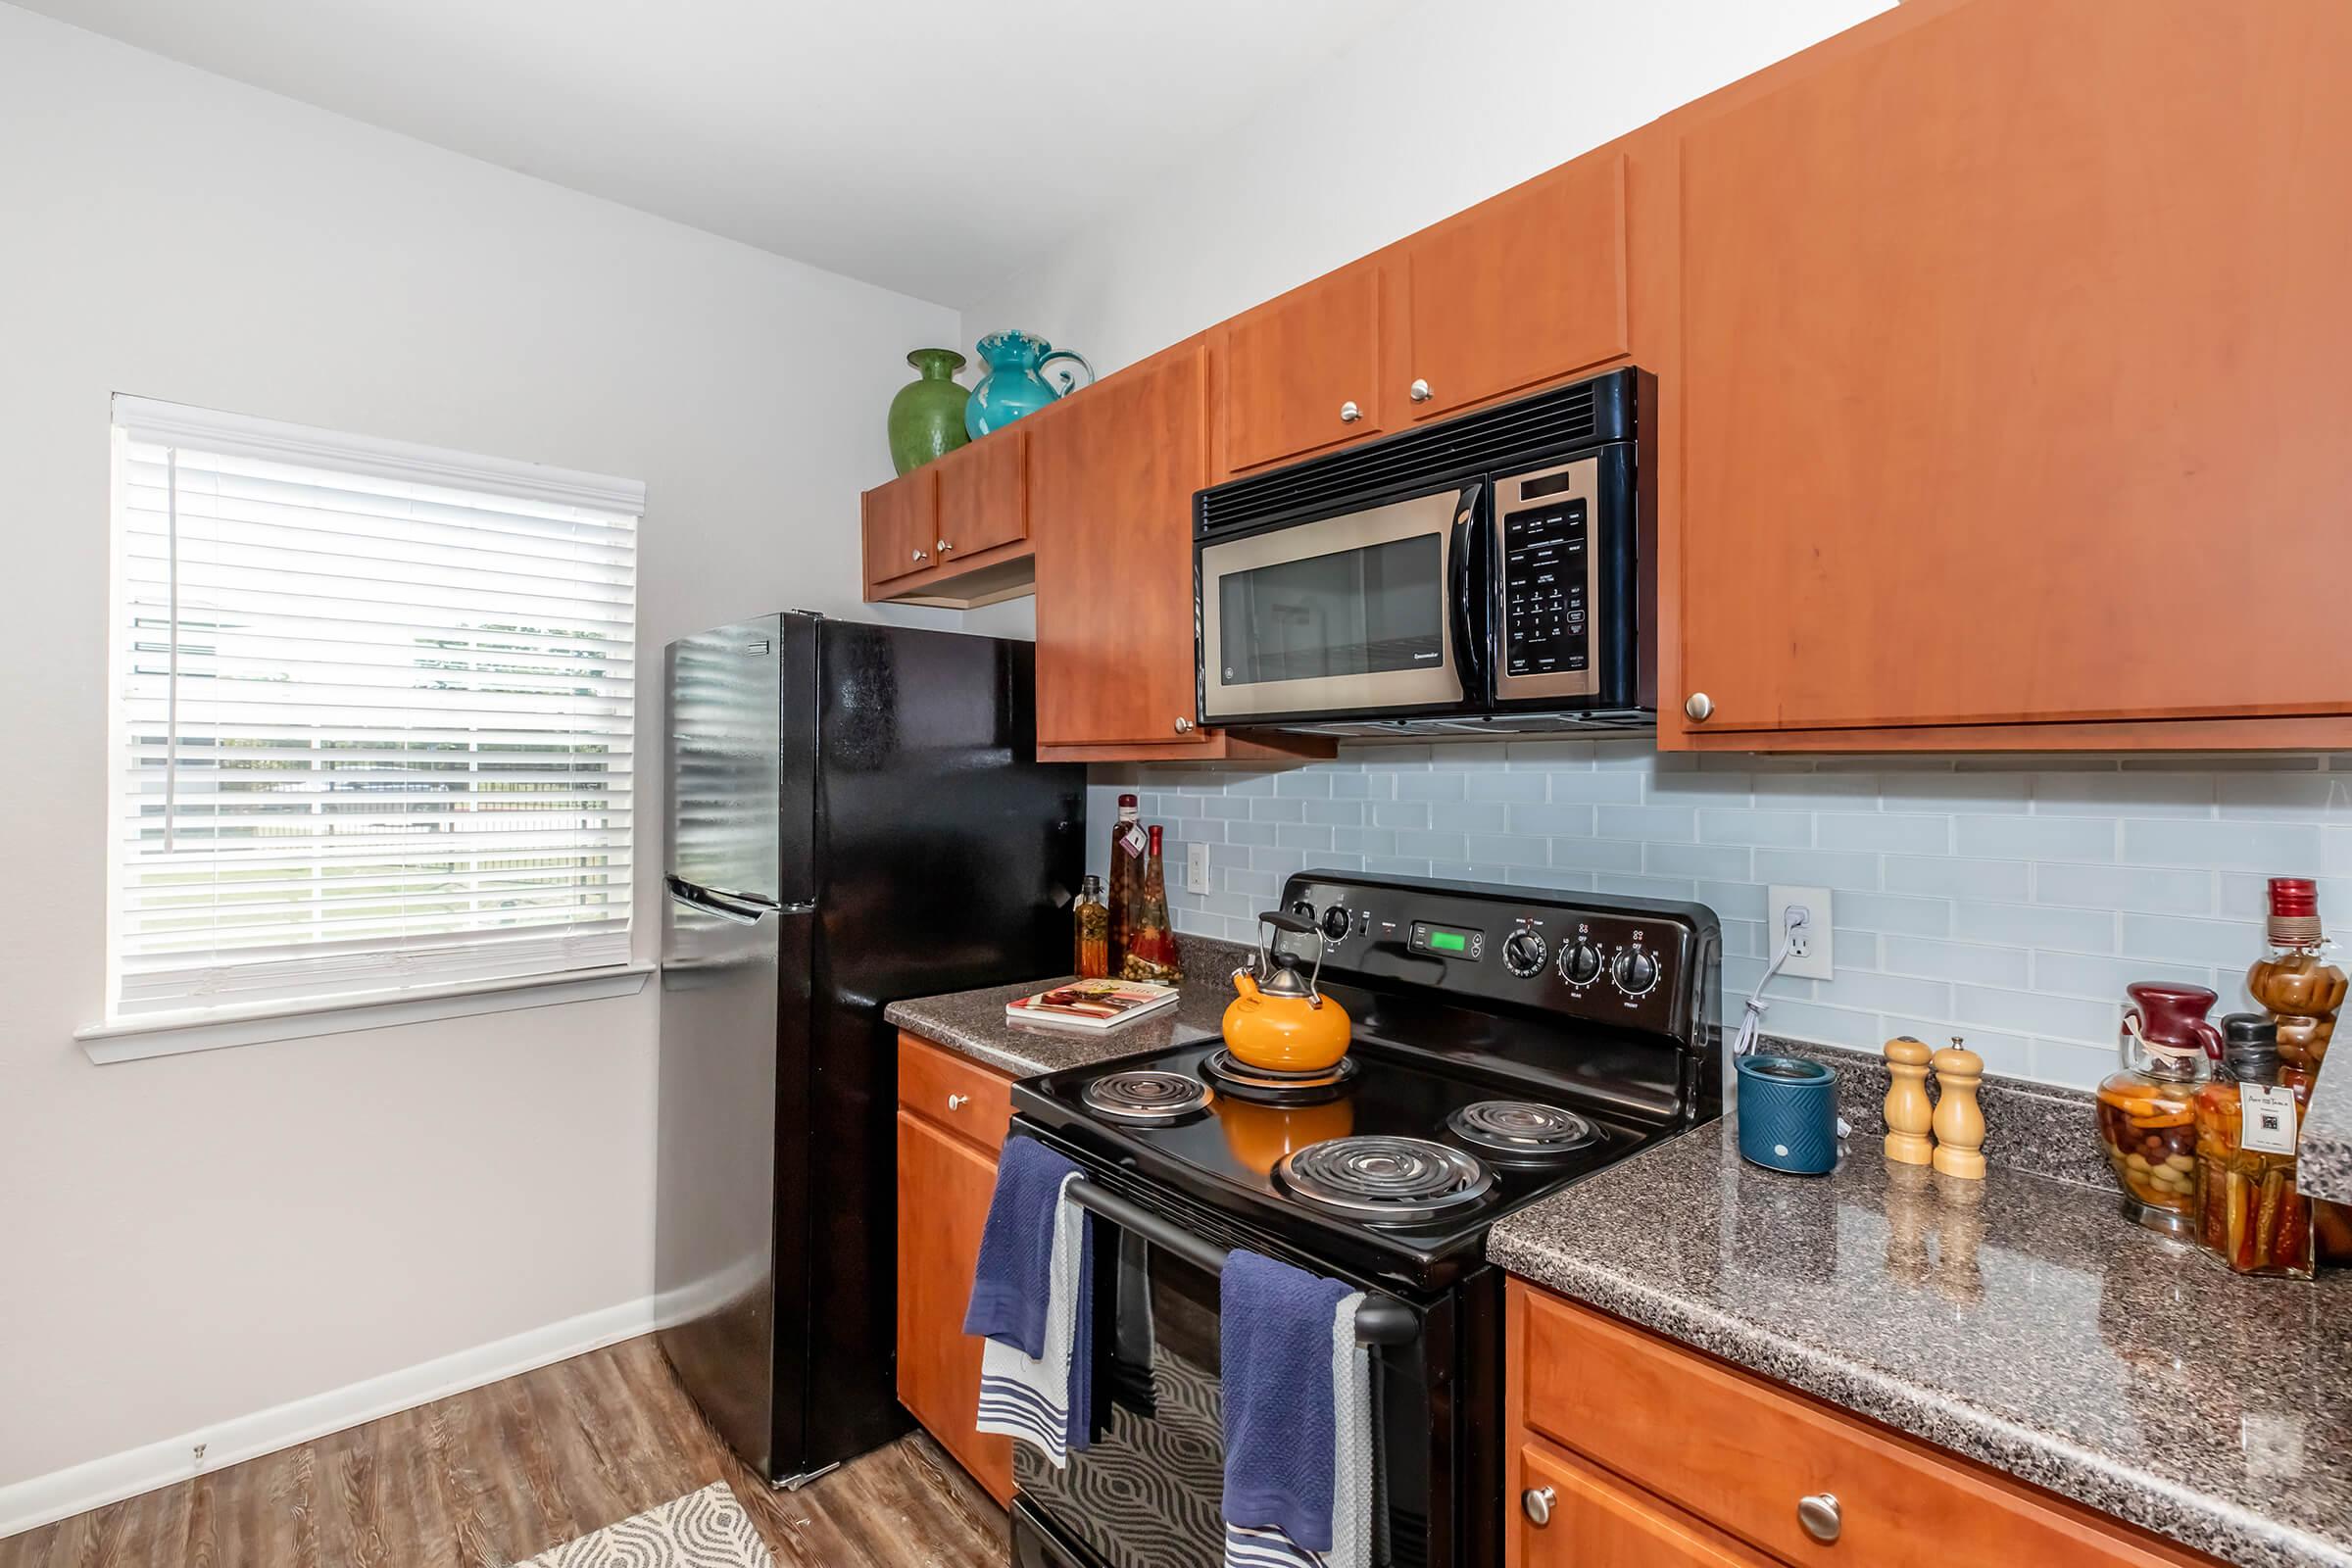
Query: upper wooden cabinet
[(1520, 290), (1304, 371), (899, 519), (1111, 478), (2013, 384), (983, 496)]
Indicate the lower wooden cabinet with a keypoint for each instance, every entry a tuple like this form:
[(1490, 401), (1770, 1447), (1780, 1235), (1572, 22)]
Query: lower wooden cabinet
[(950, 1120), (1633, 1433)]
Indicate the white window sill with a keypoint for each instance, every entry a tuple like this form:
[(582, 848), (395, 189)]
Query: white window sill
[(177, 1033)]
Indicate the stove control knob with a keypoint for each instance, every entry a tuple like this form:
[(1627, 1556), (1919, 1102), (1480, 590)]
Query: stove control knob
[(1302, 910), (1580, 962), (1635, 972), (1524, 953), (1334, 924)]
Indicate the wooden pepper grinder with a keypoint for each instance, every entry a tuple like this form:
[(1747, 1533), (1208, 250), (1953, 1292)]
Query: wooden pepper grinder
[(1959, 1124), (1909, 1112)]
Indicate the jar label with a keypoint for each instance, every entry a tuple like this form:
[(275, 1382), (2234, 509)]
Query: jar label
[(2267, 1118), (1131, 839)]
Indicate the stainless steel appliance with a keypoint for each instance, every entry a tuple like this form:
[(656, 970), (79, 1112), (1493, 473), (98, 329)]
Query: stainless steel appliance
[(855, 814), (1490, 574), (1509, 1042)]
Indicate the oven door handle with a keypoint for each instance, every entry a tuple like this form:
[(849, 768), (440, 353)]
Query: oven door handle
[(1471, 605), (1380, 1320)]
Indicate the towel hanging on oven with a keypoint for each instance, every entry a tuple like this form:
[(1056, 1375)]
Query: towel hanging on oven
[(1297, 1404), (1032, 1299)]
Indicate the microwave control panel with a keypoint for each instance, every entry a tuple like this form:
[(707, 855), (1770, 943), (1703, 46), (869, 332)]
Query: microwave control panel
[(1547, 554)]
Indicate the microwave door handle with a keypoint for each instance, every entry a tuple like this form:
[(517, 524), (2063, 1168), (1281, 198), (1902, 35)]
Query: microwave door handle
[(1471, 608)]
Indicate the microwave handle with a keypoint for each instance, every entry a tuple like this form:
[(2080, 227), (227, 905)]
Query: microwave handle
[(1472, 604)]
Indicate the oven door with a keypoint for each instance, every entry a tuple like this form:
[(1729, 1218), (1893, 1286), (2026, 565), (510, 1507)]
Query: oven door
[(1366, 614), (1147, 1492)]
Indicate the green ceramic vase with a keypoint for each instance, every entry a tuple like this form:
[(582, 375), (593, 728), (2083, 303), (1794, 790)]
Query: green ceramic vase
[(926, 417)]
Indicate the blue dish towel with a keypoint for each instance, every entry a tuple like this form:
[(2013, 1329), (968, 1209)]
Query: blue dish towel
[(1275, 1327), (1033, 1302)]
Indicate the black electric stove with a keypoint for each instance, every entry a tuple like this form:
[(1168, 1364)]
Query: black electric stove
[(1507, 1041)]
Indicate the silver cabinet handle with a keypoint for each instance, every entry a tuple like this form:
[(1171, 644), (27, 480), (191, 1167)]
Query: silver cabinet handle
[(1350, 413), (959, 1101), (1819, 1515), (1537, 1501), (945, 547), (1419, 391), (1697, 707), (922, 555), (1184, 726)]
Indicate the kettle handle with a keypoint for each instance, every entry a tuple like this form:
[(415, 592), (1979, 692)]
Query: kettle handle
[(1298, 926), (1069, 382)]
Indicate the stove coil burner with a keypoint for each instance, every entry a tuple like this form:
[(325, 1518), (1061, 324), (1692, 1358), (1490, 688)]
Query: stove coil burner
[(1390, 1180), (1269, 1087), (1522, 1130), (1140, 1094)]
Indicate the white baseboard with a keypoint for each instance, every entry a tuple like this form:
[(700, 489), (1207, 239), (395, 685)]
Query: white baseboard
[(77, 1489)]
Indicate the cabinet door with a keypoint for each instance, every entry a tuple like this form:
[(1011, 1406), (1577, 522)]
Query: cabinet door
[(983, 496), (899, 519), (944, 1188), (1594, 1521), (1303, 372), (1110, 485), (1520, 290), (2013, 373)]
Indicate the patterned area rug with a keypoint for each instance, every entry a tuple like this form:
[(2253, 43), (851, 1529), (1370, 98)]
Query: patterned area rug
[(705, 1529)]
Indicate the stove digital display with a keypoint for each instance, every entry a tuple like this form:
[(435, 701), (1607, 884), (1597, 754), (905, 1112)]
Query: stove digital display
[(1445, 941)]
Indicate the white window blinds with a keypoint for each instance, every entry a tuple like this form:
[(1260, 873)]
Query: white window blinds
[(372, 715)]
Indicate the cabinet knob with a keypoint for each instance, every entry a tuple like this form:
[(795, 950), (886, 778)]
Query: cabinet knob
[(922, 555), (1537, 1502), (1350, 413), (944, 547), (959, 1101), (1697, 705), (1184, 726), (1819, 1515), (1419, 391)]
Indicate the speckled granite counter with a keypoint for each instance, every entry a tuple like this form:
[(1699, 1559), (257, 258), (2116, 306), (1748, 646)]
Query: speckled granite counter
[(974, 1022), (2323, 1168), (2018, 1320)]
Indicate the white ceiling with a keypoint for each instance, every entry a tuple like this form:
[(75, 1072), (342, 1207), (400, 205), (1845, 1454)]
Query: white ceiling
[(931, 146)]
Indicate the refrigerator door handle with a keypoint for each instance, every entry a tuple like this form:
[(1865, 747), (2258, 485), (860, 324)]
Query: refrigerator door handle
[(744, 909)]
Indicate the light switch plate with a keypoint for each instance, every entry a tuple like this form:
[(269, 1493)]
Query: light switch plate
[(1811, 960), (1196, 868)]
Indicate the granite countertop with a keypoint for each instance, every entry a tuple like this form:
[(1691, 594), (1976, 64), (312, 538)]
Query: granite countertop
[(974, 1022), (2019, 1320)]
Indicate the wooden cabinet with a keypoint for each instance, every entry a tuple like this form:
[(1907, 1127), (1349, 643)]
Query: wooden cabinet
[(1738, 1455), (899, 519), (1524, 289), (2012, 384), (1304, 371), (1591, 1520), (951, 1122), (983, 496)]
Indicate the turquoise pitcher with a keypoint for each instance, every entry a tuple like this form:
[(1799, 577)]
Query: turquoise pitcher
[(1012, 385)]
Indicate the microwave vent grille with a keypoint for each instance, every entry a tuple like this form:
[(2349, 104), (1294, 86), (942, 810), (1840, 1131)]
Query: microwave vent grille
[(1516, 434)]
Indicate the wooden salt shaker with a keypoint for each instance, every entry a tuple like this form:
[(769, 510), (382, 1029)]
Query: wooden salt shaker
[(1909, 1112), (1959, 1124)]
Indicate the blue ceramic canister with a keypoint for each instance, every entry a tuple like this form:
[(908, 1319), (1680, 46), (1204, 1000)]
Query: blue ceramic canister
[(1788, 1114)]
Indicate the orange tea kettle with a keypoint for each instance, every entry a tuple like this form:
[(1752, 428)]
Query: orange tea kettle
[(1282, 1023)]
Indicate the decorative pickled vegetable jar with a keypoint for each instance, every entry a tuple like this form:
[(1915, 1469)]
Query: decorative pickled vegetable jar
[(2147, 1118), (2250, 1214)]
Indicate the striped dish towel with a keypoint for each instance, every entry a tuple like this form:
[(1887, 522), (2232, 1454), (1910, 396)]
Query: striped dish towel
[(1032, 1299)]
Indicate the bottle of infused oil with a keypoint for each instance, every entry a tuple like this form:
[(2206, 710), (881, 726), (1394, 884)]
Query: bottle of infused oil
[(1150, 937), (1091, 959), (1126, 878), (2302, 991), (2250, 1214)]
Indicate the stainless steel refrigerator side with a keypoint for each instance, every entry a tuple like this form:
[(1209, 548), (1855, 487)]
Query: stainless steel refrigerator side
[(721, 980)]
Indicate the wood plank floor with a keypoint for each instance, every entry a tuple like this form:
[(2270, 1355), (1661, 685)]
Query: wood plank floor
[(496, 1475)]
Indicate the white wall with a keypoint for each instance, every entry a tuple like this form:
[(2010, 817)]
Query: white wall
[(189, 1239), (1430, 114)]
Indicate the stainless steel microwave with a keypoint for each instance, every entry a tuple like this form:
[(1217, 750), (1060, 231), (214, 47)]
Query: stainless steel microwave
[(1488, 575)]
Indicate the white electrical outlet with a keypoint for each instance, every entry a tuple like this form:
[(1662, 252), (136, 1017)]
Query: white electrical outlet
[(1809, 959), (1196, 868)]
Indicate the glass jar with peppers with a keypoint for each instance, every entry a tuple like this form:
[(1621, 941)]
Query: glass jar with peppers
[(1152, 953), (2147, 1121), (1090, 922), (2250, 1214), (2302, 991)]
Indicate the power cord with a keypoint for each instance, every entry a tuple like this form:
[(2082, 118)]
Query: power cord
[(1795, 920)]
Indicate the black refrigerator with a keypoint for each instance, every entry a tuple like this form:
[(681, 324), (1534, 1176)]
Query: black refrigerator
[(855, 815)]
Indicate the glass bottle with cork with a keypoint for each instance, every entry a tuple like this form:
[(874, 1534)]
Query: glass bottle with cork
[(1151, 938), (1091, 959), (1127, 843), (2302, 992), (2146, 1111), (2250, 1214)]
